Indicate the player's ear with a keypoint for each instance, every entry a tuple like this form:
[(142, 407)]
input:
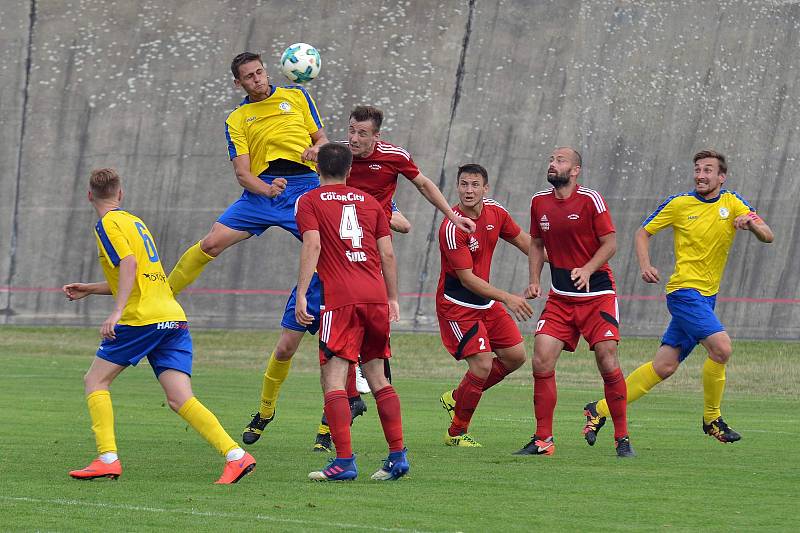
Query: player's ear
[(89, 195), (722, 177), (120, 194)]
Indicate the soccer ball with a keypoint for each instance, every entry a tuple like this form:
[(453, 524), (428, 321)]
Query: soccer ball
[(300, 62)]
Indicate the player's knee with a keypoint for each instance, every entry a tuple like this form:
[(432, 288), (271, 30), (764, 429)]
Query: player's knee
[(543, 361), (665, 369), (175, 403), (211, 246)]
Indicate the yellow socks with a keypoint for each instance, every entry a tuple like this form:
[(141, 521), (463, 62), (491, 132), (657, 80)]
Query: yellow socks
[(713, 388), (273, 379), (102, 415), (639, 383), (189, 267), (206, 424)]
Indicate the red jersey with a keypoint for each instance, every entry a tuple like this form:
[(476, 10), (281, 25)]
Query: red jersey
[(571, 229), (377, 173), (462, 251), (350, 223)]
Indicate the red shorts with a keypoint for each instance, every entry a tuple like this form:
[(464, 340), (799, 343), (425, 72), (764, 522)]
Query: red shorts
[(494, 330), (351, 330), (597, 319)]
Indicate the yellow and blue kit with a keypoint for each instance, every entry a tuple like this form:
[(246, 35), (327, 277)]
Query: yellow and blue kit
[(274, 133), (153, 323), (703, 234)]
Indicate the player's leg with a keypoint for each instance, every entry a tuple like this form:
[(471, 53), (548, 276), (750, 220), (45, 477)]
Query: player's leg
[(616, 393), (507, 343), (97, 381), (719, 351), (194, 260)]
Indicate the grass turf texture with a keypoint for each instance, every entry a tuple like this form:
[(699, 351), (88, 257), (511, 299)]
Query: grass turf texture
[(681, 479)]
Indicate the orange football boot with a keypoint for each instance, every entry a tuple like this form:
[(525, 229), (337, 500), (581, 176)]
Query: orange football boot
[(97, 469), (236, 470)]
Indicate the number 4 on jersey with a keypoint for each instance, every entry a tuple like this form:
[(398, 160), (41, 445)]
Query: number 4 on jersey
[(349, 227)]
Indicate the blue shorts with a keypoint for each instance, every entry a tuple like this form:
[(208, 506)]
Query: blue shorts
[(166, 345), (313, 299), (254, 213), (693, 320)]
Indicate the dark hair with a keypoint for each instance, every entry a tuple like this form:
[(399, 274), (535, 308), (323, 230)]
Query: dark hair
[(705, 154), (334, 160), (367, 112), (474, 168), (104, 183), (241, 59)]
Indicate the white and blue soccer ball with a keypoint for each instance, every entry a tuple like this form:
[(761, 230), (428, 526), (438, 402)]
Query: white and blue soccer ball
[(300, 63)]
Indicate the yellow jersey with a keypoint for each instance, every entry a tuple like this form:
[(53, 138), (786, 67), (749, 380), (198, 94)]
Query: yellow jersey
[(703, 234), (278, 127), (120, 234)]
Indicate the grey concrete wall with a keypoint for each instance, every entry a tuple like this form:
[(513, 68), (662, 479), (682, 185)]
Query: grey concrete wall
[(637, 86)]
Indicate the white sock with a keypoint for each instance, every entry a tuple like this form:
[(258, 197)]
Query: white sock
[(234, 455), (108, 457)]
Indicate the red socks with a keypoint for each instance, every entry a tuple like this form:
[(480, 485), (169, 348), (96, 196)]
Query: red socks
[(388, 404), (617, 399), (468, 395), (499, 371), (337, 411), (545, 396)]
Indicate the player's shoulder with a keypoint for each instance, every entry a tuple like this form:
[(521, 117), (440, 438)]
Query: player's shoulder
[(240, 108), (678, 199), (388, 150), (591, 195), (494, 205), (541, 195), (295, 91), (734, 196)]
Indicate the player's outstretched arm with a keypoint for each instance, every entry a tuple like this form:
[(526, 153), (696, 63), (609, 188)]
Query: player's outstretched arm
[(319, 138), (642, 243), (127, 277), (389, 268), (241, 167), (309, 256), (536, 255), (431, 192), (76, 291), (516, 304), (751, 221)]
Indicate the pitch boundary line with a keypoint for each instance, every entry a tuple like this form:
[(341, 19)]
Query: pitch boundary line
[(193, 512)]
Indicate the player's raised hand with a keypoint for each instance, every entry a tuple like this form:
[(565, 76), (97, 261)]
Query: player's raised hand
[(107, 329), (394, 311), (277, 186), (744, 221), (465, 224), (650, 275), (519, 307), (580, 278), (76, 291), (301, 311), (532, 291)]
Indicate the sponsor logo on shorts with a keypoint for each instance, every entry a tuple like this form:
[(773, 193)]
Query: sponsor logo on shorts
[(172, 325), (609, 333)]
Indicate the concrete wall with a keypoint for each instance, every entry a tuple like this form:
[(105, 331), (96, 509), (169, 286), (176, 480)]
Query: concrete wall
[(637, 86)]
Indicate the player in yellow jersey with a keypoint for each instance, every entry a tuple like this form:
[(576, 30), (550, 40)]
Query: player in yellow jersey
[(704, 224), (146, 322), (273, 139)]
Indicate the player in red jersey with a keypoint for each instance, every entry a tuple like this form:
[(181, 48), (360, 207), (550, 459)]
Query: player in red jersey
[(573, 225), (472, 321), (346, 238)]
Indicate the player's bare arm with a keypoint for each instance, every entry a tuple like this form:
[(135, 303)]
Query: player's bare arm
[(516, 304), (431, 192), (642, 243), (241, 167), (309, 256), (608, 247), (536, 255), (127, 276), (389, 268), (319, 138), (756, 225), (76, 291)]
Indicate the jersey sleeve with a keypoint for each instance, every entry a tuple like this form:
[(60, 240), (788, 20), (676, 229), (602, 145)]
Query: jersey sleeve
[(112, 239), (510, 229), (740, 205), (234, 133), (535, 231), (603, 225), (661, 218), (304, 215), (454, 246), (310, 113), (407, 167)]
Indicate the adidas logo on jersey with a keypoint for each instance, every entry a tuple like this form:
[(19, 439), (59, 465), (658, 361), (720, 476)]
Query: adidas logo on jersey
[(473, 244), (544, 223)]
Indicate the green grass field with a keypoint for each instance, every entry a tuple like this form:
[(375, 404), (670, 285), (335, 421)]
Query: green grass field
[(681, 480)]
